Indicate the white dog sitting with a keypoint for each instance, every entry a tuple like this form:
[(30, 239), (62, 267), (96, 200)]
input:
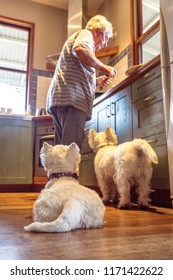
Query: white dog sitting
[(119, 167), (64, 204)]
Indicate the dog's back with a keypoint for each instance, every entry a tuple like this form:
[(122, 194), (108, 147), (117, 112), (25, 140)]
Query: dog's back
[(137, 151)]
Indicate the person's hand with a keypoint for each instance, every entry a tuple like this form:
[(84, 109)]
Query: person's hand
[(103, 81), (110, 71)]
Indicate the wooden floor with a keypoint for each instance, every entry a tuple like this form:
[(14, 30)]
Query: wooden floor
[(127, 234)]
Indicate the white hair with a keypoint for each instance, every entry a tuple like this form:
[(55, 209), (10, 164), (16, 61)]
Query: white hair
[(101, 23)]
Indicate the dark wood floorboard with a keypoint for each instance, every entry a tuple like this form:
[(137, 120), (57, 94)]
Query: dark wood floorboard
[(127, 234)]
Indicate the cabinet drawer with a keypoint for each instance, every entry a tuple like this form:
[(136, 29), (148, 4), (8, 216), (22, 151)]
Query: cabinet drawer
[(157, 139), (160, 179), (43, 130), (148, 115), (147, 84)]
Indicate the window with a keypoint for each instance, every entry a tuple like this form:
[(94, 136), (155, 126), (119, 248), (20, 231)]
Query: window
[(15, 64), (147, 30)]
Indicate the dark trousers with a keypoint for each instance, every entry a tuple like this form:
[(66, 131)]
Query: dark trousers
[(69, 125)]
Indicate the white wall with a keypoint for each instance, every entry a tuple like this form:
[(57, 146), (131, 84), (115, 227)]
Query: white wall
[(118, 13), (50, 26)]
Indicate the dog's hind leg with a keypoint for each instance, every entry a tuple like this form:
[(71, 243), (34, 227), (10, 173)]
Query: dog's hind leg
[(105, 189), (143, 190), (123, 187)]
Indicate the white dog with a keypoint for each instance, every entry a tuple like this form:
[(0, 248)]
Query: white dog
[(119, 167), (64, 204)]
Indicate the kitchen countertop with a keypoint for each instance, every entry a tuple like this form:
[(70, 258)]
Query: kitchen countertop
[(15, 116), (131, 78), (42, 117), (25, 117)]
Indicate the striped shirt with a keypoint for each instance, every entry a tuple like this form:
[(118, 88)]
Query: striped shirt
[(73, 83)]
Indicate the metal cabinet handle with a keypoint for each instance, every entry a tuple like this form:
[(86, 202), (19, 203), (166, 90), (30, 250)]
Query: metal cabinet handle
[(108, 111), (149, 98), (148, 75), (113, 109)]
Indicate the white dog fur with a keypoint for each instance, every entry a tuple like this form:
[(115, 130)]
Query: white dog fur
[(64, 204), (119, 167)]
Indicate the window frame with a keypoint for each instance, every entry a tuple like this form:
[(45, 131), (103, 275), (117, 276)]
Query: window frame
[(30, 27), (138, 38)]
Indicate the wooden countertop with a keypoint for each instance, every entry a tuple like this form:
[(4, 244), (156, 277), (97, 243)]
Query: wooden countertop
[(41, 118)]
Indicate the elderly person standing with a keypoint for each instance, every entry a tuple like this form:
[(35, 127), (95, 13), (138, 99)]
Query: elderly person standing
[(72, 89)]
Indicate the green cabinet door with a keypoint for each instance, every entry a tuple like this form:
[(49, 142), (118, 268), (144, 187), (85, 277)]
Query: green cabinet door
[(16, 151)]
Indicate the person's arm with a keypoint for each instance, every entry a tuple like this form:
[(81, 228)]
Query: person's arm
[(87, 57)]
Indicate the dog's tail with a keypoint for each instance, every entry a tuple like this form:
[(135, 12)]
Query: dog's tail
[(143, 145), (66, 221)]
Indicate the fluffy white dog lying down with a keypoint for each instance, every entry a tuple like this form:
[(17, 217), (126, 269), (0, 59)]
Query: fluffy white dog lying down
[(119, 167), (64, 204)]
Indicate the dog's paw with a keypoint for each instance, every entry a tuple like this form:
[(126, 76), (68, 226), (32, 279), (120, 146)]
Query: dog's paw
[(124, 206), (25, 228)]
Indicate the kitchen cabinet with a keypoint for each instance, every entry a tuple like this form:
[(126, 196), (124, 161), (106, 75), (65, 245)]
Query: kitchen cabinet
[(102, 115), (136, 111), (149, 123), (116, 112), (16, 150), (86, 169), (148, 113)]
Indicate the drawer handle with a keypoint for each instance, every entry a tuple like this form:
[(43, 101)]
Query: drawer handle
[(150, 98), (47, 137), (148, 75), (86, 156), (152, 141)]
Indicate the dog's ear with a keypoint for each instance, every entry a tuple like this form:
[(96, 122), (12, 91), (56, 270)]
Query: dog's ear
[(45, 153), (74, 154), (92, 134), (46, 147), (109, 130), (91, 139), (73, 147), (111, 135)]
